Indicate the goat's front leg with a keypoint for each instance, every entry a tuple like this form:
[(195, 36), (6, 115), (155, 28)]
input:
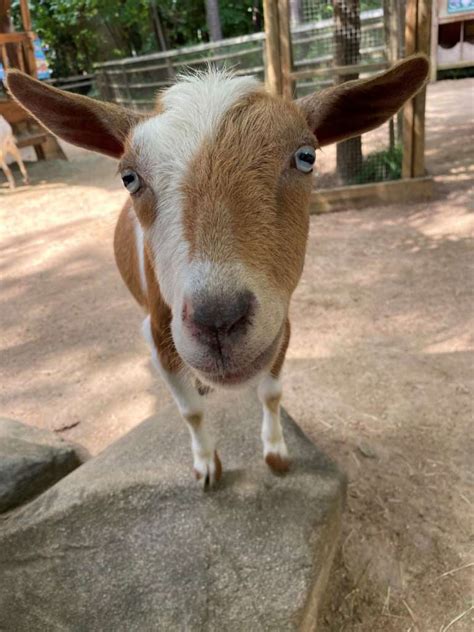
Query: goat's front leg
[(275, 451), (7, 171), (13, 149), (207, 465)]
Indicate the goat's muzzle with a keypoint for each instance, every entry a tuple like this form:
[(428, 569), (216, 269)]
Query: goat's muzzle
[(219, 328)]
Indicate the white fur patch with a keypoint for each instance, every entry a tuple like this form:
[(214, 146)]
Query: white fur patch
[(140, 248), (166, 144), (272, 434), (190, 405)]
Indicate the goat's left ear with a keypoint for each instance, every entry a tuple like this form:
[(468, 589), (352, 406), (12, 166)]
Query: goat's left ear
[(82, 121), (355, 107)]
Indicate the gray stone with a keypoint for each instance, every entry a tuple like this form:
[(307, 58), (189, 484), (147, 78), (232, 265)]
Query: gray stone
[(130, 542), (31, 460)]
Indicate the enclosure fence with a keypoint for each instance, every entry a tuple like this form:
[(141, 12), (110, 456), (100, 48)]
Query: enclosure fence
[(307, 45)]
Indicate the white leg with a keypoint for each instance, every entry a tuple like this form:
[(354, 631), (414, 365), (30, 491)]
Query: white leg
[(13, 149), (7, 172), (275, 451), (207, 465)]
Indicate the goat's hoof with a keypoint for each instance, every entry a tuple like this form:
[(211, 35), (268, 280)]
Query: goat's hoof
[(277, 463), (208, 470), (276, 457)]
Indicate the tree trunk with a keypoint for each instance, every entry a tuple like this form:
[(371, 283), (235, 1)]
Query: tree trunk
[(213, 20), (257, 17), (347, 52)]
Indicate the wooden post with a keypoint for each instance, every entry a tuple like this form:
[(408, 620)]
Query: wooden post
[(434, 41), (286, 54), (273, 77), (391, 43), (29, 48), (417, 40)]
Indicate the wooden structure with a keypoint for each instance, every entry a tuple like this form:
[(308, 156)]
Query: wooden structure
[(417, 40), (17, 51), (133, 81), (278, 51), (452, 36), (281, 77)]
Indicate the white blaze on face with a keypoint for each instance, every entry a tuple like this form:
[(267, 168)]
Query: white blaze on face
[(166, 144)]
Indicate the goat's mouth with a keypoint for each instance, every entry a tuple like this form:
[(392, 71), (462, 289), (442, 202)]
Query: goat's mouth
[(233, 374)]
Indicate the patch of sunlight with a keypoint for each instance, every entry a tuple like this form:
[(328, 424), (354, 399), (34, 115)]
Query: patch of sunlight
[(459, 342), (447, 226)]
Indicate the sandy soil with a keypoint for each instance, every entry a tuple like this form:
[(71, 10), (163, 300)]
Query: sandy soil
[(379, 371)]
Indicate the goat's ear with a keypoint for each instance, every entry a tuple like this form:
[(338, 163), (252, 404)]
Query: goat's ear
[(355, 107), (79, 120)]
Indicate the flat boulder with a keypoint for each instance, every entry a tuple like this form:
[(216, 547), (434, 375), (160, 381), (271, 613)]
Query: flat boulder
[(31, 460), (130, 541)]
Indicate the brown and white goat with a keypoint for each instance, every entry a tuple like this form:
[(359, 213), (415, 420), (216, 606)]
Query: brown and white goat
[(212, 240), (8, 146)]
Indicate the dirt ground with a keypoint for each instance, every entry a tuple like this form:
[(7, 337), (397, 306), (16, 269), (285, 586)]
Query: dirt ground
[(379, 371)]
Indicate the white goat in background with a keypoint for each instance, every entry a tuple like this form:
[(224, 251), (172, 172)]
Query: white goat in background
[(8, 146)]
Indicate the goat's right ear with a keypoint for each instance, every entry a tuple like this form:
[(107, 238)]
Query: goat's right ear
[(79, 120), (355, 107)]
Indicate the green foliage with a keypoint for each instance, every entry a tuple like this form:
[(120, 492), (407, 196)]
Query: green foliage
[(236, 16), (81, 32), (381, 165)]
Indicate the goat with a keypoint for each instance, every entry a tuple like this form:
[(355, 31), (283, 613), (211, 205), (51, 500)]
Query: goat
[(8, 146), (211, 242)]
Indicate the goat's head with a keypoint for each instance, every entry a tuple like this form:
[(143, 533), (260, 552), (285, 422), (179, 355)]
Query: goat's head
[(220, 178)]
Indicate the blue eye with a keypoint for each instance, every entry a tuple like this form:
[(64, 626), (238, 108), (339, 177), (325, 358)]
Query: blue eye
[(305, 158), (131, 181)]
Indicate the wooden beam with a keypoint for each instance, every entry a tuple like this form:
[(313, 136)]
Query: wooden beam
[(422, 46), (28, 46), (374, 194), (434, 41), (417, 40), (25, 15), (273, 77), (286, 54)]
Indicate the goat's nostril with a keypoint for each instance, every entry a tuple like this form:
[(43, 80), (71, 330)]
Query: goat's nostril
[(187, 310), (223, 316), (240, 323)]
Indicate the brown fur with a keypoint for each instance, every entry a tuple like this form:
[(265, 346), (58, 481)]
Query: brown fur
[(355, 107), (126, 256), (251, 212), (160, 314), (279, 464), (243, 201), (144, 202), (278, 363), (273, 403), (218, 472), (82, 121)]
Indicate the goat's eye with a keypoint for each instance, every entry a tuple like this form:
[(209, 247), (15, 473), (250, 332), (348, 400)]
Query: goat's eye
[(131, 181), (305, 158)]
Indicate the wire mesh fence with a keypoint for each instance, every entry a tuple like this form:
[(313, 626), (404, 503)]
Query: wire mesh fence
[(334, 41), (135, 81)]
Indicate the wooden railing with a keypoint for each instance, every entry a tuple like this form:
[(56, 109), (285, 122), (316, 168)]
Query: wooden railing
[(16, 51)]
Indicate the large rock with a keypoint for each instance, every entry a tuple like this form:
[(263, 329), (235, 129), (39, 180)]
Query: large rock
[(130, 542), (30, 461)]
